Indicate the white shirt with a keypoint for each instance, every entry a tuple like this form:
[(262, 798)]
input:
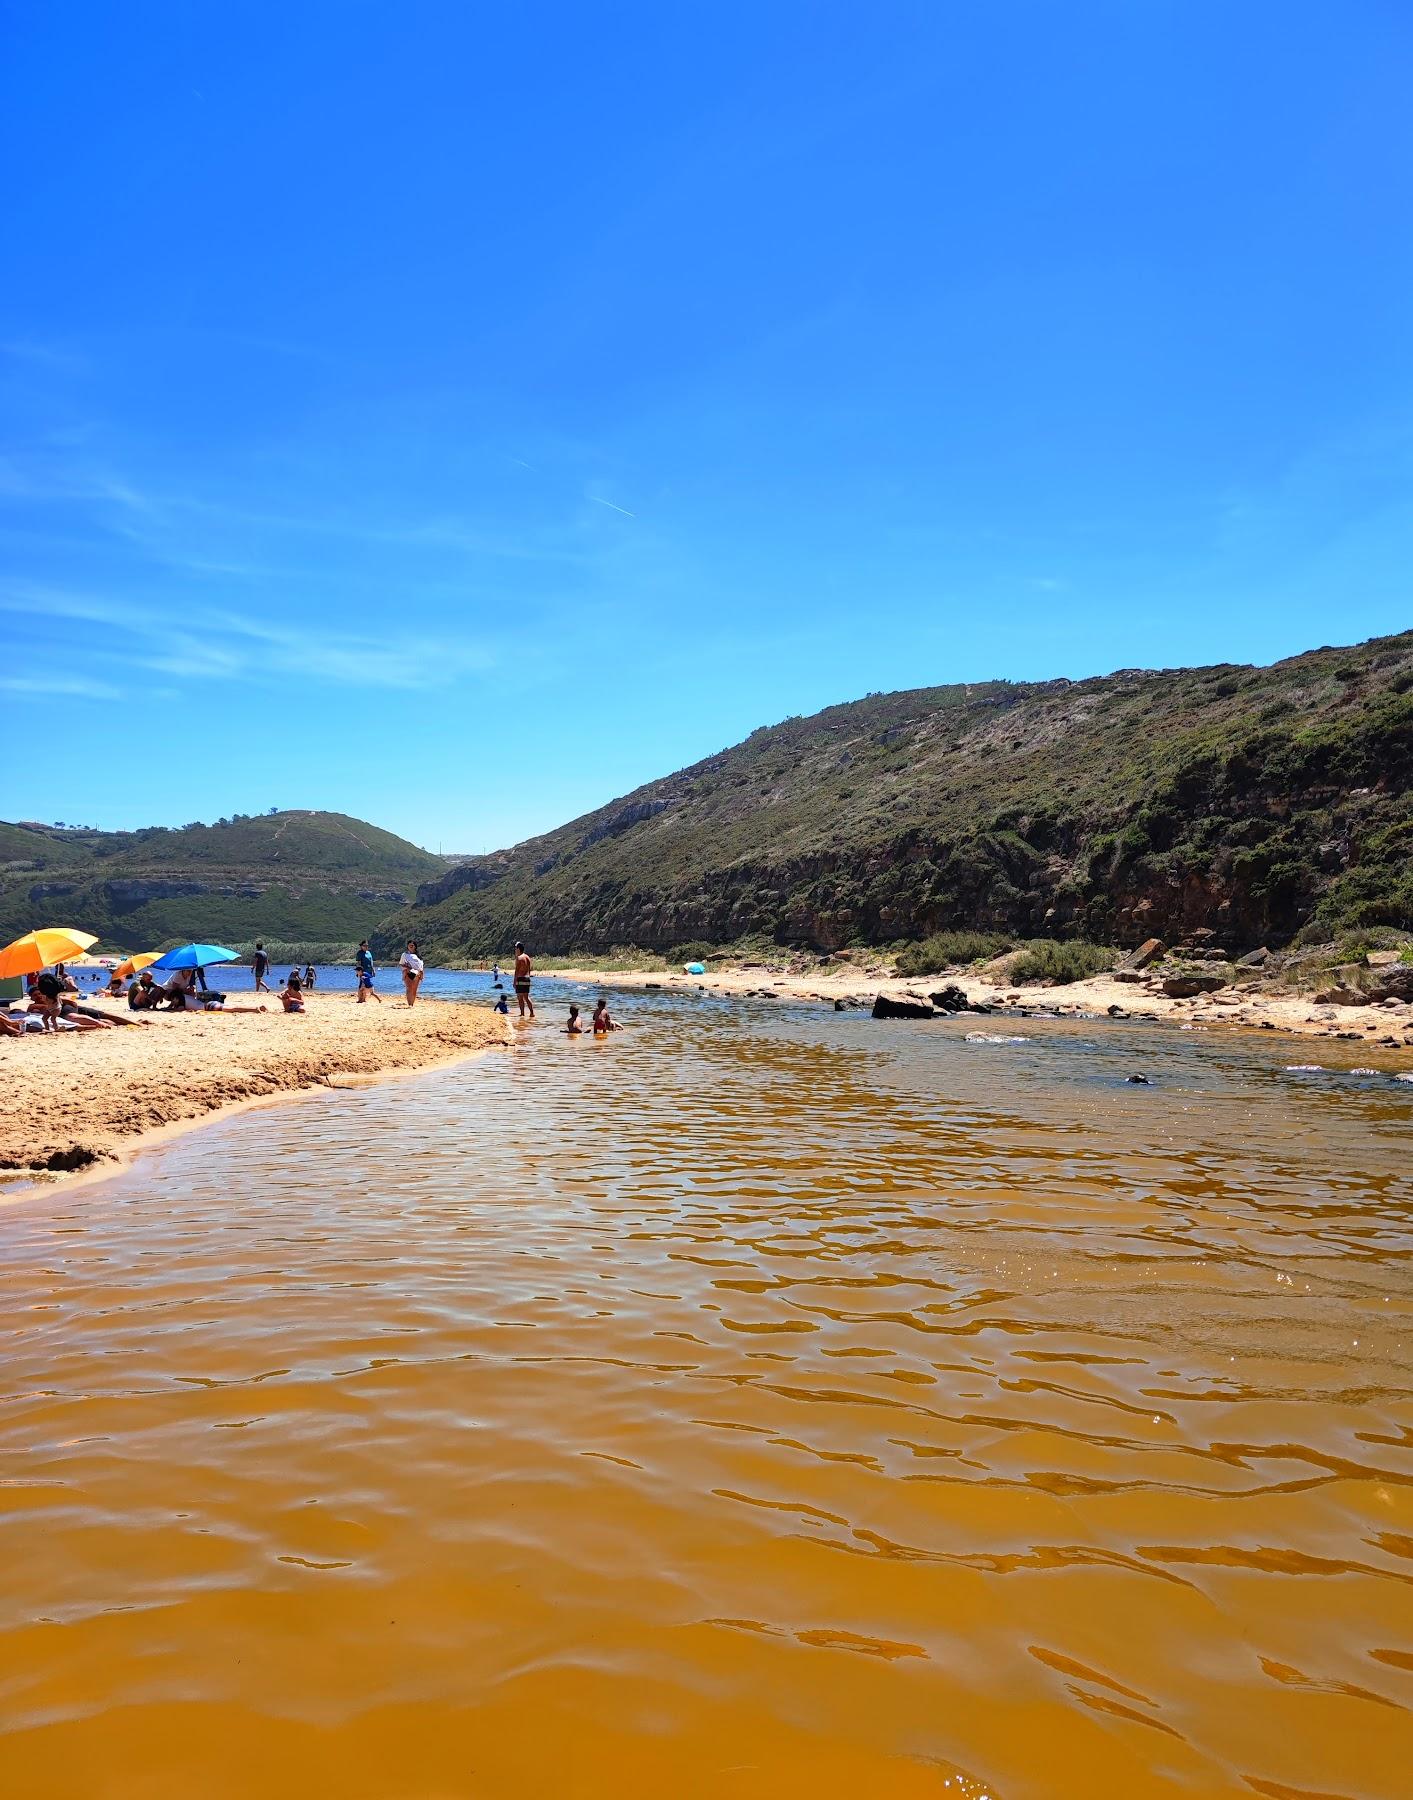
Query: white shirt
[(411, 965)]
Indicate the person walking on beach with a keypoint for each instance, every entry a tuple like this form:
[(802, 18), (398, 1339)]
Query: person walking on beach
[(363, 963), (524, 969), (261, 964), (413, 969)]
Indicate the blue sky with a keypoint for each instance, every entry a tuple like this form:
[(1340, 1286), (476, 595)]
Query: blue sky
[(456, 414)]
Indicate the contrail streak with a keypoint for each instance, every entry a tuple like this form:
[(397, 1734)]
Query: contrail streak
[(623, 509)]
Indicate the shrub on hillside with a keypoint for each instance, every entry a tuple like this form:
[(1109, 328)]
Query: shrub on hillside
[(948, 950), (1043, 959)]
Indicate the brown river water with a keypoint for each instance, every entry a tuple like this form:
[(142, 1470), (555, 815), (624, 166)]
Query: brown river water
[(761, 1402)]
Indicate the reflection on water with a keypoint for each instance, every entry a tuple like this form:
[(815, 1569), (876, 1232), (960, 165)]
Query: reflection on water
[(759, 1402)]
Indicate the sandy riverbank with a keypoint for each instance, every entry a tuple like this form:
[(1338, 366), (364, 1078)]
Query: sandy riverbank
[(1387, 1027), (77, 1098)]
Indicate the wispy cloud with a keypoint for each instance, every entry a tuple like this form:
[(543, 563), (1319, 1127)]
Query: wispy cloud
[(48, 356), (213, 641), (167, 524), (72, 687)]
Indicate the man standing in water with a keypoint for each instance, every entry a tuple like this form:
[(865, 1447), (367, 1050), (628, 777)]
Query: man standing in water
[(524, 969)]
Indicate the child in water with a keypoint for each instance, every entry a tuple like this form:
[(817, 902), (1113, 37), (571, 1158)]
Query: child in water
[(574, 1028), (603, 1024), (501, 1005)]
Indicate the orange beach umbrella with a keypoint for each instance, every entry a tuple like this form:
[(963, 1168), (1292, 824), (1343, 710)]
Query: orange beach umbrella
[(143, 960), (37, 949)]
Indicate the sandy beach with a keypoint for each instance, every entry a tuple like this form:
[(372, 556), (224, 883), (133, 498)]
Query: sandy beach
[(74, 1099), (1387, 1027)]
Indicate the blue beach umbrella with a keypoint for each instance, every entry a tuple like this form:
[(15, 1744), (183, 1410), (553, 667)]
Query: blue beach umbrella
[(195, 956)]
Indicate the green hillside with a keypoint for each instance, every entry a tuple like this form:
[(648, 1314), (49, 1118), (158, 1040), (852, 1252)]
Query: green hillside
[(290, 877), (1247, 800)]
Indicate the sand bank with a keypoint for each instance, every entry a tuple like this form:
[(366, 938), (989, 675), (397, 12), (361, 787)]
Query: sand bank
[(1387, 1027), (72, 1099)]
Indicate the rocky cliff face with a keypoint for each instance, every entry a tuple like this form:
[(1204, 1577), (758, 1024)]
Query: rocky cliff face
[(1237, 800)]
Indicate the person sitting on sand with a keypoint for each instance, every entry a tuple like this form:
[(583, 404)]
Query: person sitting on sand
[(44, 992), (144, 994), (116, 989), (181, 984), (603, 1024), (292, 994), (574, 1028)]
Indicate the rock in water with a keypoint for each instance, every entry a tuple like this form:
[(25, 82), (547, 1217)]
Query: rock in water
[(949, 999), (886, 1008)]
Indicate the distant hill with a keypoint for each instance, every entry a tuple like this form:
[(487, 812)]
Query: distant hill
[(1247, 800), (305, 878)]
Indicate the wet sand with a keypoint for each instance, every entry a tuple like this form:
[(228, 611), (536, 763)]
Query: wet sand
[(75, 1099), (1231, 1006)]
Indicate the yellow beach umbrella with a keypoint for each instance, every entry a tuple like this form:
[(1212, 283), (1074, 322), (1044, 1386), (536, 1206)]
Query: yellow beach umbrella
[(37, 949), (144, 959)]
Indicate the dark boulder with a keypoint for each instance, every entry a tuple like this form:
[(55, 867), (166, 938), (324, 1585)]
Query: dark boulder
[(1183, 987), (1147, 952), (1253, 959), (949, 999), (886, 1008)]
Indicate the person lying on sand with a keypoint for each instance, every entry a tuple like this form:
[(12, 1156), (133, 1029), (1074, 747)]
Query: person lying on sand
[(574, 1028), (603, 1024)]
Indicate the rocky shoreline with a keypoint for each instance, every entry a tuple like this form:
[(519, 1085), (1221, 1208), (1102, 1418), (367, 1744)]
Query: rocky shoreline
[(1143, 987)]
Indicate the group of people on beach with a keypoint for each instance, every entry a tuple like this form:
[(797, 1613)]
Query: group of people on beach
[(54, 1004)]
